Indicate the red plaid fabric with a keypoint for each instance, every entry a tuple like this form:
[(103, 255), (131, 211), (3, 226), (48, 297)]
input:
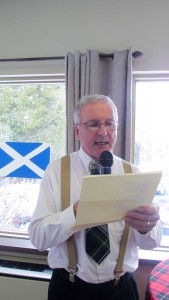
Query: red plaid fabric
[(158, 285)]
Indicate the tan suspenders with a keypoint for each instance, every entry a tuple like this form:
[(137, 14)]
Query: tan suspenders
[(65, 198)]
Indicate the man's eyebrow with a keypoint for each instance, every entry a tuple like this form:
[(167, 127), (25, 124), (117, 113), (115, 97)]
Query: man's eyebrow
[(96, 120)]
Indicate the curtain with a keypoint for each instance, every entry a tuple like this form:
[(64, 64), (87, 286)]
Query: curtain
[(87, 73)]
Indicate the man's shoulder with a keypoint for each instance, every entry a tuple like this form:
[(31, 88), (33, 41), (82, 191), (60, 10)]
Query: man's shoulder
[(124, 163), (54, 166), (57, 162)]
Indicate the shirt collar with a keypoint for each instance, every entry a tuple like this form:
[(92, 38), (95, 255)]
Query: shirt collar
[(85, 158)]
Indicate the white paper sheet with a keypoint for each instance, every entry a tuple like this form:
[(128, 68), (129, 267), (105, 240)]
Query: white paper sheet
[(107, 198)]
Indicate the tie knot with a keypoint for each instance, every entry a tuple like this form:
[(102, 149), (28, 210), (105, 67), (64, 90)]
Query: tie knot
[(94, 167)]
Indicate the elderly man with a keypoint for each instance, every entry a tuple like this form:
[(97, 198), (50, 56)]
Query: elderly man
[(96, 125)]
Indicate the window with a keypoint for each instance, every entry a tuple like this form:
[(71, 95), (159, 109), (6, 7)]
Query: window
[(152, 139), (32, 110)]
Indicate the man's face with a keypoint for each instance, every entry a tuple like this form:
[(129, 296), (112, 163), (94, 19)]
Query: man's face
[(95, 142)]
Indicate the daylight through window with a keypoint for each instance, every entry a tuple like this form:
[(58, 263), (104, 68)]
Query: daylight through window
[(30, 113), (152, 140)]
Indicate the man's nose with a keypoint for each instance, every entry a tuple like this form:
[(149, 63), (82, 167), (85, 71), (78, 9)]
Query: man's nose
[(102, 130)]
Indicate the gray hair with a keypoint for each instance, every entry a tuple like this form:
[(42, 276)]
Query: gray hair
[(93, 98)]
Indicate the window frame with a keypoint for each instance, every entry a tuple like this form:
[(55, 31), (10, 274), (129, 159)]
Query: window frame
[(12, 246), (161, 252), (142, 76)]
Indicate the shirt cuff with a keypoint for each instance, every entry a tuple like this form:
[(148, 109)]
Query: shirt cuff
[(151, 239)]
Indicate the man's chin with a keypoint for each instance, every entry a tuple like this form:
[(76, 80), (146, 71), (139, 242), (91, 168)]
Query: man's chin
[(101, 148)]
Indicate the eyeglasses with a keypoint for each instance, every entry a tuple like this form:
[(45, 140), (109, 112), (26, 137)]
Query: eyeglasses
[(110, 125)]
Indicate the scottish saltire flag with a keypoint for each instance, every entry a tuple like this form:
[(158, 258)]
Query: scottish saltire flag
[(24, 160)]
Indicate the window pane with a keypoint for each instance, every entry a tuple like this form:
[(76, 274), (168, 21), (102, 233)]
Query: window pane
[(29, 113), (152, 140)]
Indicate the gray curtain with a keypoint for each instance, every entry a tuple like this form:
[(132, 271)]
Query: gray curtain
[(86, 74)]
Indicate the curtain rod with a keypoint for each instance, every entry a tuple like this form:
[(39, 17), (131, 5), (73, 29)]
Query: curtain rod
[(33, 58), (135, 54)]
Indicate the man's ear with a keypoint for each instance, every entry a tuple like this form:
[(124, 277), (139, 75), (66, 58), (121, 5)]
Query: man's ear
[(76, 129)]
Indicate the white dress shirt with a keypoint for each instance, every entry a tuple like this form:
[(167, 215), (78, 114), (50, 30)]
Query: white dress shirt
[(50, 227)]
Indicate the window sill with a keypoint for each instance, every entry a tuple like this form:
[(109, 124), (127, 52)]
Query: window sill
[(22, 250), (25, 274), (15, 242), (158, 254)]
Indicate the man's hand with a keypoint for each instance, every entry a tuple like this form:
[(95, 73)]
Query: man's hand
[(143, 218)]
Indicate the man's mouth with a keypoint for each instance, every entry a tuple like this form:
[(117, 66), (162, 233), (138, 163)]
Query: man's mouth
[(101, 143)]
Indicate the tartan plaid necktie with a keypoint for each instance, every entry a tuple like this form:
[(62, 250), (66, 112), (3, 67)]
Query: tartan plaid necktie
[(97, 238), (97, 242)]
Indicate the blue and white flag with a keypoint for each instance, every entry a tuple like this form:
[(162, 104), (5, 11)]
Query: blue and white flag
[(24, 160)]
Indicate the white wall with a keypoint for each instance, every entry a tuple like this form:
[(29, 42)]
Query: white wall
[(17, 289), (54, 27)]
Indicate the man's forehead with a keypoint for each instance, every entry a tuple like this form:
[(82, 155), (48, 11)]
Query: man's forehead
[(99, 108), (96, 105)]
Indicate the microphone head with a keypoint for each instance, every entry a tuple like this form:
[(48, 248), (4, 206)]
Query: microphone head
[(106, 159), (94, 167)]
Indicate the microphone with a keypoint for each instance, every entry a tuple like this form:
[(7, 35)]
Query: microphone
[(106, 161), (94, 167)]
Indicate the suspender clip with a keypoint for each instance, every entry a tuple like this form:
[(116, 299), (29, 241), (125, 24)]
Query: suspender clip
[(72, 273), (117, 275)]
